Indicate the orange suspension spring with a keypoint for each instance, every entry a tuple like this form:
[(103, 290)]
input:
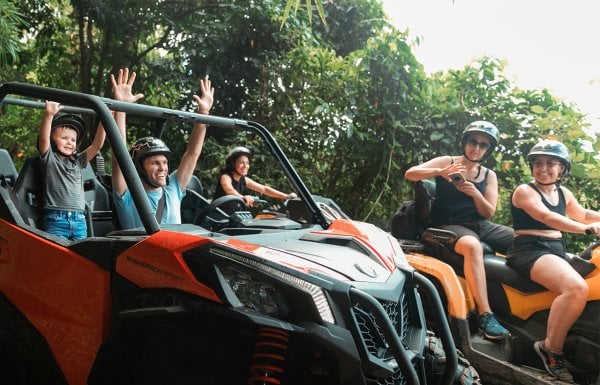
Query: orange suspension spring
[(269, 357)]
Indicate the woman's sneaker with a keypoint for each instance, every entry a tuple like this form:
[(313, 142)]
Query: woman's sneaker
[(491, 328), (554, 362)]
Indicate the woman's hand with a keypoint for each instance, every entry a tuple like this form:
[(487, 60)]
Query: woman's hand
[(454, 167), (593, 228), (249, 200), (467, 188)]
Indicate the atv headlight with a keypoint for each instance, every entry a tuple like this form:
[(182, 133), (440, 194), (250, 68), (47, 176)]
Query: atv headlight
[(261, 294), (254, 293)]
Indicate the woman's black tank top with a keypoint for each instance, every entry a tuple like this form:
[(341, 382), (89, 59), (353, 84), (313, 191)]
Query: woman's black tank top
[(452, 206), (522, 220), (239, 186)]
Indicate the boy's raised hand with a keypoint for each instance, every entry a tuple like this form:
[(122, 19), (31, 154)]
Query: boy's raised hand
[(52, 108)]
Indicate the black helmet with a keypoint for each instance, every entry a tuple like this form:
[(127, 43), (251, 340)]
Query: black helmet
[(142, 149), (484, 128), (553, 148), (73, 121), (235, 153)]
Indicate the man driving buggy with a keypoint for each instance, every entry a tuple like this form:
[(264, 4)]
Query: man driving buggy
[(466, 198)]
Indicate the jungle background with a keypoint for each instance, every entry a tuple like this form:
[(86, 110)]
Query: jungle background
[(334, 81)]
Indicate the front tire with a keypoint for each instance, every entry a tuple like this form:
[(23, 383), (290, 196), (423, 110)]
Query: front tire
[(435, 360)]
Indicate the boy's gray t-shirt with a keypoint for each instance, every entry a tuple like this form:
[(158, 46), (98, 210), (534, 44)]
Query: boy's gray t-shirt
[(63, 181)]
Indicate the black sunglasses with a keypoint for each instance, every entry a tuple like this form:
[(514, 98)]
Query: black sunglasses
[(482, 145)]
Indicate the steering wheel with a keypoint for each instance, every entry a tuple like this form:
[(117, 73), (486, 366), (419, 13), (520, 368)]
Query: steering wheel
[(204, 219)]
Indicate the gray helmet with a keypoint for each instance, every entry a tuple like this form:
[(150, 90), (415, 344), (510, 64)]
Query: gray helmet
[(553, 148), (73, 121), (482, 127), (235, 153), (144, 148)]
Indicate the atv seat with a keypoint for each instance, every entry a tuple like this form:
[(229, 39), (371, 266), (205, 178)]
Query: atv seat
[(8, 172), (414, 220), (193, 201), (440, 243)]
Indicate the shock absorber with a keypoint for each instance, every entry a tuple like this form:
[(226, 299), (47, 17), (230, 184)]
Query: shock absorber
[(269, 356)]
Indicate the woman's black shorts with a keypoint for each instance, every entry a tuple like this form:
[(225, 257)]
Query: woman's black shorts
[(526, 249)]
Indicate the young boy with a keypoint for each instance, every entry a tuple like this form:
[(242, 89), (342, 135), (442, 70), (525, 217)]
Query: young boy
[(62, 166)]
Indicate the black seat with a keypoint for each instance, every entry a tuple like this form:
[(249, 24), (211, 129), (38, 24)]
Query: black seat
[(98, 204), (413, 217), (28, 192), (8, 206), (195, 185), (8, 172), (191, 204), (193, 201)]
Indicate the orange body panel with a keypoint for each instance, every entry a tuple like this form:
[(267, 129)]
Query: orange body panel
[(65, 297), (459, 304), (157, 262), (522, 305)]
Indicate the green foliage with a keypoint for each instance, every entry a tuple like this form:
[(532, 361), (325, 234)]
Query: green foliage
[(19, 132), (344, 117), (11, 22), (290, 4)]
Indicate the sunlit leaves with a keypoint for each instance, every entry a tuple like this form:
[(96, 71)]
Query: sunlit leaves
[(11, 23), (296, 4), (537, 109)]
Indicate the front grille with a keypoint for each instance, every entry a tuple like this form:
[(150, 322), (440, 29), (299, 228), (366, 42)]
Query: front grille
[(396, 379), (375, 341)]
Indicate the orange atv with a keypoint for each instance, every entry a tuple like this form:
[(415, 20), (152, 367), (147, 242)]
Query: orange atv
[(520, 305), (301, 296)]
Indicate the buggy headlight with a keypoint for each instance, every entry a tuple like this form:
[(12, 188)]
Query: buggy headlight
[(261, 294), (255, 294)]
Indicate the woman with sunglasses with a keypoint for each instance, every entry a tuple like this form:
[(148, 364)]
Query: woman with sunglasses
[(541, 211), (465, 200)]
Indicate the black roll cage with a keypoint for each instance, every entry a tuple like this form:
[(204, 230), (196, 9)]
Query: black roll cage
[(77, 102)]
